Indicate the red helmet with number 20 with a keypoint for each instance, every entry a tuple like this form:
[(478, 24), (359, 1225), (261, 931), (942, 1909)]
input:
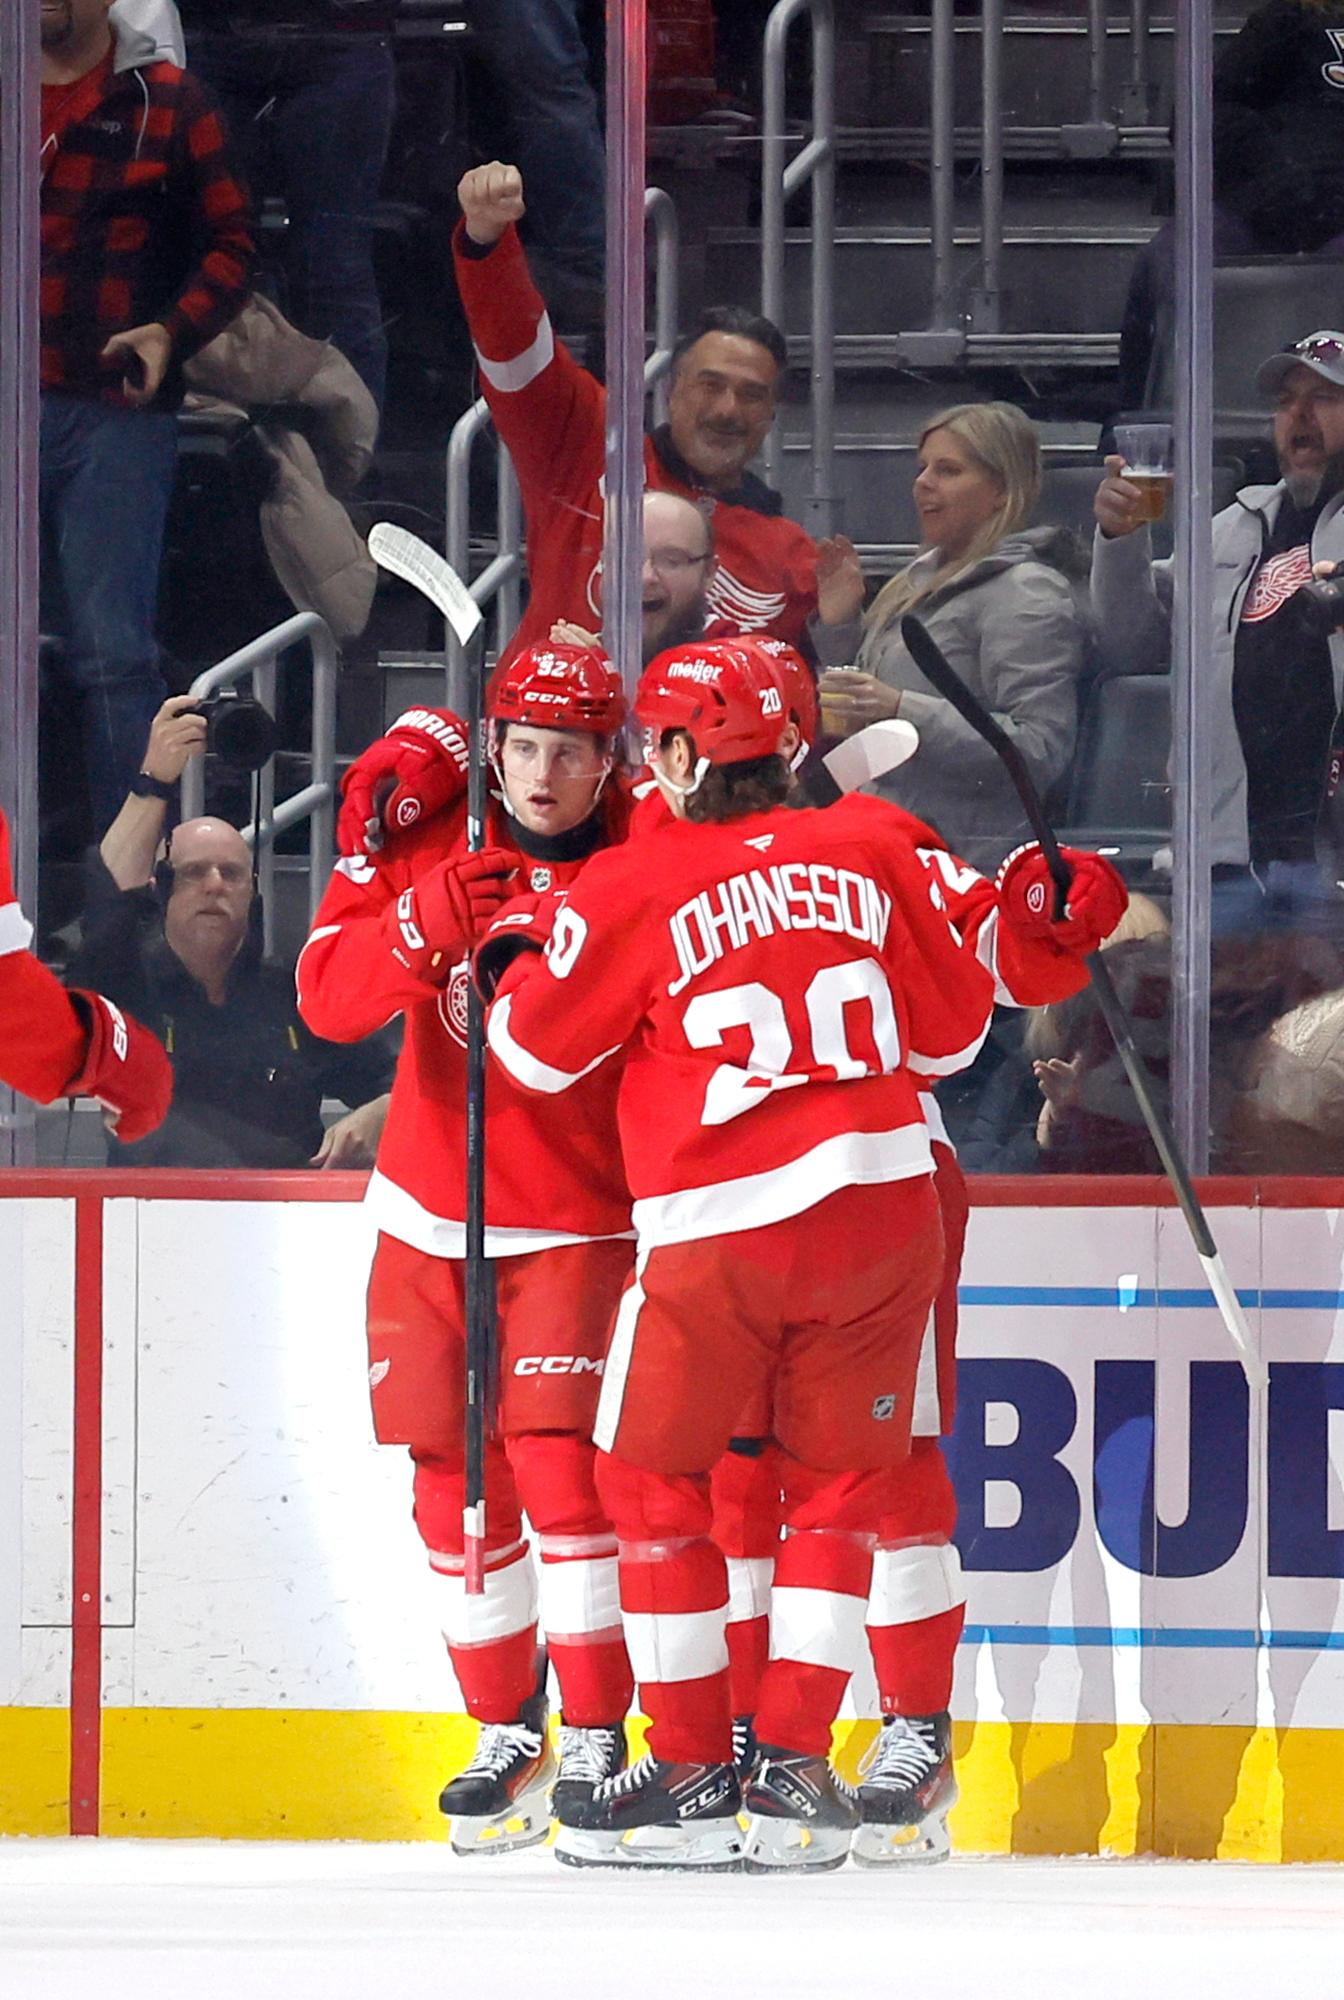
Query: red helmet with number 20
[(561, 687), (796, 678), (730, 701)]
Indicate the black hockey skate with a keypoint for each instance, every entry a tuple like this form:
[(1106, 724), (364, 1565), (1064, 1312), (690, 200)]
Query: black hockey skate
[(501, 1802), (657, 1815), (587, 1756), (802, 1813), (907, 1787)]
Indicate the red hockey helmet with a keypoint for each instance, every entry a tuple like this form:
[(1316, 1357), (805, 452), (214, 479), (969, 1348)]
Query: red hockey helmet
[(798, 681), (560, 687), (729, 699)]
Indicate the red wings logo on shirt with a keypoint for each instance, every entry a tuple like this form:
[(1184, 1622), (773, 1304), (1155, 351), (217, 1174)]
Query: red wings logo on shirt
[(741, 608), (1276, 580)]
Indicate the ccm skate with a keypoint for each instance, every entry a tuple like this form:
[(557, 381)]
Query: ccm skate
[(801, 1813), (906, 1789), (656, 1815), (501, 1802)]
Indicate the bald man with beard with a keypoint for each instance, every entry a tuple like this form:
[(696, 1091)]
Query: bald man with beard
[(171, 933), (674, 586)]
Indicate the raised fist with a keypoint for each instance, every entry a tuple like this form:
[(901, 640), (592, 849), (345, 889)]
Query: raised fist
[(491, 198), (410, 774)]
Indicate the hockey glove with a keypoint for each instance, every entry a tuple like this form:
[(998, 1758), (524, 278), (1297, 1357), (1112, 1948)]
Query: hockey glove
[(522, 925), (1097, 899), (124, 1067), (410, 774), (432, 925)]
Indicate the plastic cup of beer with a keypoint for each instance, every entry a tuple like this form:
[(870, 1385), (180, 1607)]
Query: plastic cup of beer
[(836, 719), (1147, 452)]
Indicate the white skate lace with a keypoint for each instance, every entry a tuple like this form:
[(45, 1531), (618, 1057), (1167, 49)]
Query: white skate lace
[(500, 1744), (903, 1753), (585, 1754), (632, 1779)]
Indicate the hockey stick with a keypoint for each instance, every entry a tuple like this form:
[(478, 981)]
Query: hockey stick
[(406, 556), (929, 658), (870, 753)]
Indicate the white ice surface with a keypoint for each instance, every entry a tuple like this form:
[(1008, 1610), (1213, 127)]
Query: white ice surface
[(159, 1920)]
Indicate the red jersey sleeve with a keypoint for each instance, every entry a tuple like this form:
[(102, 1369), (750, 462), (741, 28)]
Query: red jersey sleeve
[(350, 982), (559, 1015), (42, 1037), (550, 413)]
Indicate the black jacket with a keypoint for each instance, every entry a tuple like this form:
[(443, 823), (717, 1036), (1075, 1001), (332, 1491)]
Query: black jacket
[(248, 1076)]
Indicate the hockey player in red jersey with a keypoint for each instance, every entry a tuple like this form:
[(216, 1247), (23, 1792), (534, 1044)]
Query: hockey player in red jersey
[(392, 936), (59, 1043), (777, 981)]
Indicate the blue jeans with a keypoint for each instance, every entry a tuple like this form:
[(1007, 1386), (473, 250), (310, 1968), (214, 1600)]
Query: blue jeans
[(324, 107), (105, 479), (538, 54)]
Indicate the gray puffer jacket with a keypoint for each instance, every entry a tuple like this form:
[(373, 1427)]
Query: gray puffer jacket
[(1014, 631)]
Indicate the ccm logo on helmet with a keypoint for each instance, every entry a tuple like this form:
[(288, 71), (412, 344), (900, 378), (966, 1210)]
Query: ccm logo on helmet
[(557, 1364)]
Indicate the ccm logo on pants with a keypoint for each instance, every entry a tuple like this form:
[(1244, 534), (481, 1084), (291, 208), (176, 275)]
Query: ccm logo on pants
[(557, 1364)]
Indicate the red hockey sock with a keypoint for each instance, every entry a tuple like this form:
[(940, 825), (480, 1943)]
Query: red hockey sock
[(818, 1605), (491, 1639), (674, 1601), (580, 1590), (914, 1663)]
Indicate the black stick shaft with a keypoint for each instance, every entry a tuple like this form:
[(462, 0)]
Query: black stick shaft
[(928, 657), (480, 1293)]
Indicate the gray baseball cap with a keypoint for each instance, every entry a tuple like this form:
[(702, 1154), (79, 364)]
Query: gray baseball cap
[(1322, 352)]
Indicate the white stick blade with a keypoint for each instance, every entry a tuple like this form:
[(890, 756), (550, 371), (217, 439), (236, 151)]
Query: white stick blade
[(871, 753), (1234, 1319), (415, 562)]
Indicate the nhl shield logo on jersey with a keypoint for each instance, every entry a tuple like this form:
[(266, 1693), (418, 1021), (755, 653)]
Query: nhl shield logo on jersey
[(884, 1409), (453, 1004), (540, 879)]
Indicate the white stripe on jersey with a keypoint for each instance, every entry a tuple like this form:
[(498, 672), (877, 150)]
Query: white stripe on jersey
[(846, 1159), (399, 1214), (528, 1069), (511, 376), (16, 933)]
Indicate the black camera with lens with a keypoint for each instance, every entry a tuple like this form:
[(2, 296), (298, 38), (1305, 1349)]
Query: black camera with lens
[(238, 730), (1322, 601)]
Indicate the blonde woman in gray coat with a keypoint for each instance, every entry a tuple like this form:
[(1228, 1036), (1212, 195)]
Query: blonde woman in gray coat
[(1004, 615)]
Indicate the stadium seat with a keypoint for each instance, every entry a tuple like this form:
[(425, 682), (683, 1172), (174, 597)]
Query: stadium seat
[(1119, 799)]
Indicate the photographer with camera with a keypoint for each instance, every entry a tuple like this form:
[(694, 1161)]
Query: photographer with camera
[(172, 933), (1276, 650)]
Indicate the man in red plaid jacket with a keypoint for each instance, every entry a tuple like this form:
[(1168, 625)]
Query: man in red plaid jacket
[(146, 256)]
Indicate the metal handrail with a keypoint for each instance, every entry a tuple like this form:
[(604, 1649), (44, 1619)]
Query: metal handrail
[(499, 585), (780, 178), (316, 802)]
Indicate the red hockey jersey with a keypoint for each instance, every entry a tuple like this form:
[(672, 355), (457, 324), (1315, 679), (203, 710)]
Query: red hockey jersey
[(776, 984), (552, 416), (553, 1168)]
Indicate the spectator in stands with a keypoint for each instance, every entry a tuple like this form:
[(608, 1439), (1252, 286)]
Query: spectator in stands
[(536, 52), (1278, 163), (991, 593), (1275, 666), (309, 89), (552, 416), (145, 255), (1276, 1046), (678, 569), (178, 944)]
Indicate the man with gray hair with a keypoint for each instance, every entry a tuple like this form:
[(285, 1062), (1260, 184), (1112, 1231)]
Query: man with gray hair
[(1275, 659)]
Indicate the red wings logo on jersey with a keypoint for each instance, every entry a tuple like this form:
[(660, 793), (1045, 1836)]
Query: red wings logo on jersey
[(1276, 580), (740, 608), (453, 1004)]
